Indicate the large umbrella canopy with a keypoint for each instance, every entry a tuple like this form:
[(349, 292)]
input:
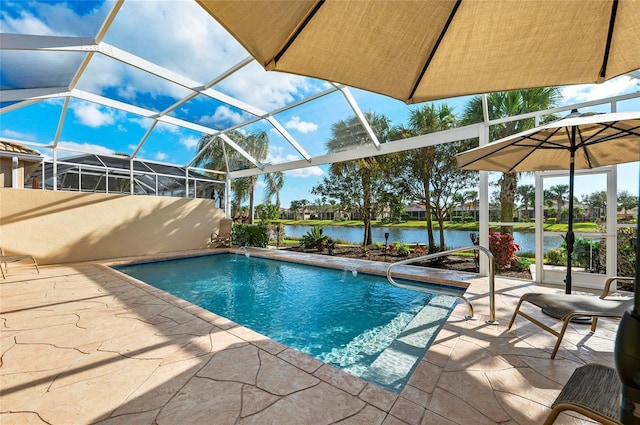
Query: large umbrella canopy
[(578, 141), (420, 50)]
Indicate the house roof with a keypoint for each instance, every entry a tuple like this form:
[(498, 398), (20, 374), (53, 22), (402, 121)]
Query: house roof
[(11, 148)]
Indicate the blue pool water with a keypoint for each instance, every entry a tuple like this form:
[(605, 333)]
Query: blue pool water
[(354, 321)]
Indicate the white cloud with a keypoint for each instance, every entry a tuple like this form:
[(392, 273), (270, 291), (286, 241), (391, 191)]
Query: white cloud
[(266, 90), (276, 156), (46, 18), (11, 134), (83, 147), (587, 92), (169, 128), (160, 156), (189, 142), (93, 115), (223, 116), (302, 126), (305, 172)]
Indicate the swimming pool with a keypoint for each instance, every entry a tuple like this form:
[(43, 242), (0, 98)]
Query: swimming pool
[(354, 321)]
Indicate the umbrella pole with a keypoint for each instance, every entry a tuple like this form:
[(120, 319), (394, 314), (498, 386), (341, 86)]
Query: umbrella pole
[(570, 236)]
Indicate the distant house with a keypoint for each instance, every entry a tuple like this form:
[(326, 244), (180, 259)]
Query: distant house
[(416, 211), (17, 164), (288, 214)]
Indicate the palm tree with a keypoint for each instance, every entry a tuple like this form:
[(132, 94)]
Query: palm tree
[(349, 133), (298, 207), (216, 157), (596, 202), (527, 195), (626, 201), (424, 120), (559, 193), (502, 105), (275, 182), (213, 158)]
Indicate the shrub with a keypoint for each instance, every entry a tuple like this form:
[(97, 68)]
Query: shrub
[(556, 257), (626, 252), (314, 239), (521, 264), (402, 249), (585, 254), (503, 249), (250, 235)]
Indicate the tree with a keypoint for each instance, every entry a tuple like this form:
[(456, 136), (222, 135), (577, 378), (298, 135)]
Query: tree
[(448, 180), (419, 163), (267, 212), (559, 193), (526, 194), (502, 105), (465, 200), (215, 156), (596, 202), (274, 183), (212, 157), (257, 146), (363, 176), (626, 201), (298, 207)]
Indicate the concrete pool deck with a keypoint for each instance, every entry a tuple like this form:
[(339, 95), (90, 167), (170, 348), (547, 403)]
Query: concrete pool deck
[(82, 343)]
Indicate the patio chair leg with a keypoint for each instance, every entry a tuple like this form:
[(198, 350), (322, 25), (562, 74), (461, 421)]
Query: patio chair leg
[(554, 415), (565, 324), (515, 313), (594, 324), (36, 264)]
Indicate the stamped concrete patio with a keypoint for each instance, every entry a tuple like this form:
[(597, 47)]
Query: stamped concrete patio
[(82, 343)]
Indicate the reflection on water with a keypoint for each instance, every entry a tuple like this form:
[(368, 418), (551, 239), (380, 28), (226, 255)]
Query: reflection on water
[(452, 238)]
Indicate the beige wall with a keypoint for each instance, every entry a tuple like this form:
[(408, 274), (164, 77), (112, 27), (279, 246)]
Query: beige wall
[(6, 173), (62, 227)]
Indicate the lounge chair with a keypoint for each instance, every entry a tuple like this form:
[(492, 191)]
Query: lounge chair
[(223, 236), (593, 390), (566, 307), (6, 259)]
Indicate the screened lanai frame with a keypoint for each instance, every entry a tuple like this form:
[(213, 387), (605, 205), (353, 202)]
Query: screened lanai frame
[(87, 49), (99, 173)]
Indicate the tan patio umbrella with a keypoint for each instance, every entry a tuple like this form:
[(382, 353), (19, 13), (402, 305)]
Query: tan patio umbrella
[(420, 50), (578, 141)]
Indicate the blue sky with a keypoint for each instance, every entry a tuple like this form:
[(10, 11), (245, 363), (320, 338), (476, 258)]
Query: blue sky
[(155, 31)]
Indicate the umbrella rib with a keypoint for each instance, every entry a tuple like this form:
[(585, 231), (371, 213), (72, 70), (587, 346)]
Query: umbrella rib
[(590, 141), (494, 152), (435, 48), (612, 21), (302, 26)]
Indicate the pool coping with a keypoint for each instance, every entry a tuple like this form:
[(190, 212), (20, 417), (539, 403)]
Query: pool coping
[(415, 273)]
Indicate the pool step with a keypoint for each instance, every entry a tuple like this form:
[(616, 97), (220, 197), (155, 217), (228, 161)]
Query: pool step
[(392, 368)]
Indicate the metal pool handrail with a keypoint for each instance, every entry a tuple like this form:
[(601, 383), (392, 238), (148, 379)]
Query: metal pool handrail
[(492, 304)]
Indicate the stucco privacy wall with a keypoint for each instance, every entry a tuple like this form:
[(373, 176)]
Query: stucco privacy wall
[(62, 227)]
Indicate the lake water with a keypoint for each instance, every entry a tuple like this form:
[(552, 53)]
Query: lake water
[(452, 238)]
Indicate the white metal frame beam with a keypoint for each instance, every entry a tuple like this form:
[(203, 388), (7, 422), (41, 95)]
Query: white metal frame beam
[(461, 133)]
